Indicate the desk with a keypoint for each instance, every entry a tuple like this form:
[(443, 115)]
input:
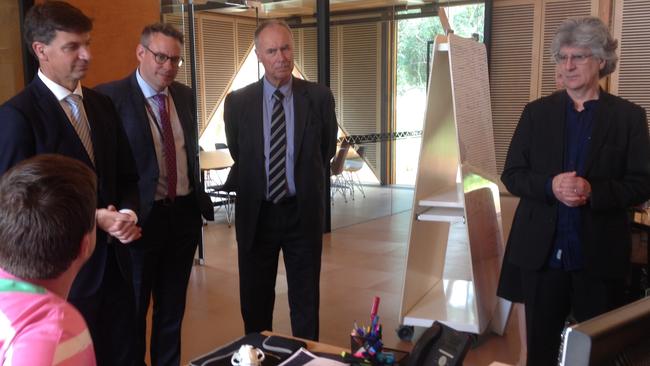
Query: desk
[(221, 355)]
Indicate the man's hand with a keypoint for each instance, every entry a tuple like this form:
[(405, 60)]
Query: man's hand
[(117, 224), (570, 189)]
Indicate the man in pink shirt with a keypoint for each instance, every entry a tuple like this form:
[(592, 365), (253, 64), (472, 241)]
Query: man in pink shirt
[(47, 232)]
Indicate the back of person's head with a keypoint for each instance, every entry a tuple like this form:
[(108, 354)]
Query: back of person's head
[(44, 20), (47, 205), (162, 28)]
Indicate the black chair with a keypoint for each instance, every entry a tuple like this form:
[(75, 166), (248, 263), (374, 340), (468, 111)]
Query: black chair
[(214, 188)]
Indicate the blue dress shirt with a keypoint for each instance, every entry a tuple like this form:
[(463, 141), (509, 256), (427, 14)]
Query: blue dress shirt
[(267, 111), (567, 250)]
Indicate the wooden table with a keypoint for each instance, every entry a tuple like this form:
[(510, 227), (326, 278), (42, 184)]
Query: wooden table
[(218, 159)]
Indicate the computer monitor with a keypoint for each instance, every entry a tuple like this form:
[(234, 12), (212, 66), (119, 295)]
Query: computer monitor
[(620, 337)]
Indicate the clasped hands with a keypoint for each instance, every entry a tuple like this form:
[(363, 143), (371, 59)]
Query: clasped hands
[(120, 225), (570, 189)]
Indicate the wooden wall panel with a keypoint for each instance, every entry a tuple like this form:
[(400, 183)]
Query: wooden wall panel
[(11, 67), (510, 70), (632, 78), (116, 33), (521, 68), (360, 81), (555, 12), (218, 60)]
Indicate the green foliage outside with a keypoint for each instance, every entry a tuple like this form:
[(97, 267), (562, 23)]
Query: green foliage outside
[(413, 35)]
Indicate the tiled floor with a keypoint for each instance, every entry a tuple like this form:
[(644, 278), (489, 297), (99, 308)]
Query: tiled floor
[(360, 261)]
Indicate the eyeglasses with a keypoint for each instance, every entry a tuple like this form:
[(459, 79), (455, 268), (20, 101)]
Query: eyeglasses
[(161, 58), (578, 59)]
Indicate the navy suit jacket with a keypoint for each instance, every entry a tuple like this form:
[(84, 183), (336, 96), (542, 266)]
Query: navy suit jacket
[(617, 167), (33, 122), (314, 146), (130, 104)]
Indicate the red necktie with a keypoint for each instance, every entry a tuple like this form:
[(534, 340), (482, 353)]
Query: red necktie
[(169, 149)]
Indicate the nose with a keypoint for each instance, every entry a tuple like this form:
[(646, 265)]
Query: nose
[(284, 55), (84, 53)]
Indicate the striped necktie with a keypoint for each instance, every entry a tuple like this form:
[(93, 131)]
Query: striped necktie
[(278, 148), (80, 123), (169, 148)]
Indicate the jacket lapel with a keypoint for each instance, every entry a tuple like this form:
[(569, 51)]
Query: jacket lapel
[(50, 106), (67, 137), (558, 114), (602, 123), (97, 132), (142, 119), (255, 124), (300, 109)]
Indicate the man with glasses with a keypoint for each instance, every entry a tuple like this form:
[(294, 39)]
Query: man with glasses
[(55, 114), (158, 115), (578, 160)]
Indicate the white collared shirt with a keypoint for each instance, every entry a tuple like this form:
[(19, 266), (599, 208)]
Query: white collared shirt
[(61, 92), (182, 177)]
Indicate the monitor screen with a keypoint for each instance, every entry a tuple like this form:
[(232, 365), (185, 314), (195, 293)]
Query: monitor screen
[(620, 337)]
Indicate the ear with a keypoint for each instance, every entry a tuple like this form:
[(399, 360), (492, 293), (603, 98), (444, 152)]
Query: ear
[(602, 64), (39, 50), (139, 52), (87, 245), (257, 53)]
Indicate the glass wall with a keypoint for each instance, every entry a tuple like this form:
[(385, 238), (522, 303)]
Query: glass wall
[(414, 46), (378, 78)]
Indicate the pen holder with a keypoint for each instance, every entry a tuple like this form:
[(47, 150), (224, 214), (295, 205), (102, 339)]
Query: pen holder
[(366, 347)]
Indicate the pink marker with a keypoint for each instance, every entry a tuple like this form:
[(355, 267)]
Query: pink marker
[(375, 307)]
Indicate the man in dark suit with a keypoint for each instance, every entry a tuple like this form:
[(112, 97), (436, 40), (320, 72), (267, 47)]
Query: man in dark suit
[(578, 160), (281, 132), (158, 115), (55, 114)]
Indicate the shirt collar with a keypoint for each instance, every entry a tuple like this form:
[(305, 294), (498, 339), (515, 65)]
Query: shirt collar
[(269, 89), (147, 90), (59, 91), (588, 105)]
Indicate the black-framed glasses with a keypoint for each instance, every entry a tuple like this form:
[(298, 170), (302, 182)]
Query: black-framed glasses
[(578, 58), (161, 58)]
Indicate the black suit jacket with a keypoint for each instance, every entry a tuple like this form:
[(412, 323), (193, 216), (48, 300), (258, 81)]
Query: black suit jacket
[(617, 167), (33, 122), (314, 146), (130, 104)]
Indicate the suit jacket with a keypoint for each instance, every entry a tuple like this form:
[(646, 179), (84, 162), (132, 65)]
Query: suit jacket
[(33, 122), (130, 104), (617, 167), (314, 146)]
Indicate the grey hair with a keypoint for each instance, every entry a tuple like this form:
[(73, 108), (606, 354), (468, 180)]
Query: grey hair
[(268, 23), (588, 32)]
